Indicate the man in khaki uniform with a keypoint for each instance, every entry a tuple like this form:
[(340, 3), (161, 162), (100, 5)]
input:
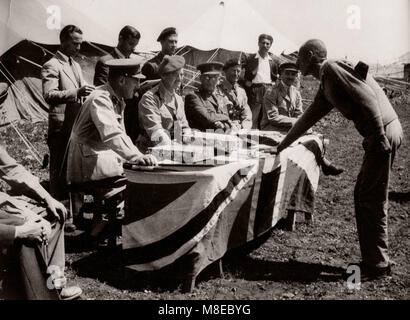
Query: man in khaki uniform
[(99, 144), (161, 110), (238, 108), (359, 98)]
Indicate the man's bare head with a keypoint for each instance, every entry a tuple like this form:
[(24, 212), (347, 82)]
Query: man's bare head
[(310, 53)]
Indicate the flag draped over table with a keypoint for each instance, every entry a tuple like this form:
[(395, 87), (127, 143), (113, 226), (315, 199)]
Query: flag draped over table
[(209, 210)]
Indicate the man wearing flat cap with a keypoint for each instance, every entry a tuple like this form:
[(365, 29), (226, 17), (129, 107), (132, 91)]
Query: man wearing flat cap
[(354, 92), (161, 110), (207, 108), (261, 72), (169, 41), (99, 144), (238, 108)]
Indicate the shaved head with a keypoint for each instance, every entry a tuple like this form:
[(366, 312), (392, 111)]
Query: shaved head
[(311, 52)]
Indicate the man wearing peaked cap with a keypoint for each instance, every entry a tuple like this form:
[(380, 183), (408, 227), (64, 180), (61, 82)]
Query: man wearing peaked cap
[(161, 110), (210, 68), (207, 109), (238, 108), (169, 42), (99, 144), (290, 66)]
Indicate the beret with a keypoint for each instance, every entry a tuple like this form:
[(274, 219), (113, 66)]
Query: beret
[(166, 33), (232, 63), (288, 66), (210, 67), (126, 67), (171, 64)]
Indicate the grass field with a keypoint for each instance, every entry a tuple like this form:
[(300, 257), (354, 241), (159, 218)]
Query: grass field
[(303, 264)]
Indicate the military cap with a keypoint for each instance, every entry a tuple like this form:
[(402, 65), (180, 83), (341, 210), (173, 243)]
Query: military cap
[(232, 63), (288, 66), (210, 67), (166, 33), (171, 64), (126, 67)]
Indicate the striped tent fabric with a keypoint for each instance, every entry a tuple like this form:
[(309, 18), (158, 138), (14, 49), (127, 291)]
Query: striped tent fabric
[(202, 212)]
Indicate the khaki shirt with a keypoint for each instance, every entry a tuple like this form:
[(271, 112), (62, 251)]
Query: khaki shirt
[(238, 109), (281, 108), (158, 112), (14, 209)]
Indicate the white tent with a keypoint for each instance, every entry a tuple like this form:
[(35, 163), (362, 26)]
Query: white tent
[(233, 25)]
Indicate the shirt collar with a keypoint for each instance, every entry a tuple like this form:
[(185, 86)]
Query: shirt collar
[(165, 93), (65, 58), (120, 54), (258, 56), (113, 96)]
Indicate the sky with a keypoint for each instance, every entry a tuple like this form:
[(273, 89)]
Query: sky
[(383, 34), (368, 30)]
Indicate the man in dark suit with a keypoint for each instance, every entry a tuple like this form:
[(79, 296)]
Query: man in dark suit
[(128, 39), (63, 88), (261, 70), (207, 108), (169, 42)]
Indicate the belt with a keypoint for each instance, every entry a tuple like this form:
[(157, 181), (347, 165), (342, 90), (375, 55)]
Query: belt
[(258, 85)]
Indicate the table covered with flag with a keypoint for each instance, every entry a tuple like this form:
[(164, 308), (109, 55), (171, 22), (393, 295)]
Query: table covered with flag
[(201, 212)]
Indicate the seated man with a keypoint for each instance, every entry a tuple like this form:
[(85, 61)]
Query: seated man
[(207, 108), (238, 109), (32, 236), (161, 110), (99, 144), (282, 106)]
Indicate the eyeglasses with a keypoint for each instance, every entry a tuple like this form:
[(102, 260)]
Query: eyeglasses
[(211, 77)]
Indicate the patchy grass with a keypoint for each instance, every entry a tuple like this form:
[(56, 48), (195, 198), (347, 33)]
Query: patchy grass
[(303, 264)]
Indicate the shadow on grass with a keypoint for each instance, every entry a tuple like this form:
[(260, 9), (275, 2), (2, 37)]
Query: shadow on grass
[(399, 196), (256, 270)]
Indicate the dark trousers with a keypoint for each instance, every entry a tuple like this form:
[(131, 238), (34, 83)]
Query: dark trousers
[(256, 94), (371, 199), (30, 265), (57, 144)]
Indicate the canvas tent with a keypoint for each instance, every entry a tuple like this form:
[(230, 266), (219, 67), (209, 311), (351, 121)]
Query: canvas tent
[(29, 37)]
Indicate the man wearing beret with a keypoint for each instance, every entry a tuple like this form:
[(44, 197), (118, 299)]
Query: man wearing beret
[(169, 41), (161, 110), (238, 108), (207, 108), (261, 70), (358, 97), (99, 145)]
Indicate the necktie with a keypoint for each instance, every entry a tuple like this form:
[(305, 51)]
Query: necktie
[(76, 75)]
